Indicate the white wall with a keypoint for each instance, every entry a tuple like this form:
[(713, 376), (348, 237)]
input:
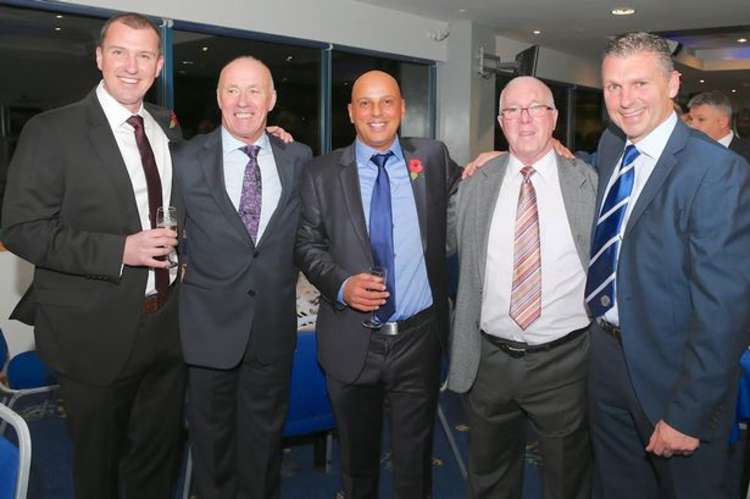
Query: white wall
[(343, 22), (554, 65)]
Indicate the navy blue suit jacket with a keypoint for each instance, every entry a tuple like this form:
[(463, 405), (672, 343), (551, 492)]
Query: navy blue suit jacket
[(684, 280)]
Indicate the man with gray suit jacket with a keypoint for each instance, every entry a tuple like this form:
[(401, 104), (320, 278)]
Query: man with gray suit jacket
[(520, 342), (237, 311)]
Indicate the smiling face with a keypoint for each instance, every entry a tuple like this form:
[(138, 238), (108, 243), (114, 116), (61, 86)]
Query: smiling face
[(376, 109), (638, 92), (130, 61), (245, 96), (529, 137)]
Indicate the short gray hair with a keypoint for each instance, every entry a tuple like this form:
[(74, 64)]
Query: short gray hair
[(635, 43), (712, 98)]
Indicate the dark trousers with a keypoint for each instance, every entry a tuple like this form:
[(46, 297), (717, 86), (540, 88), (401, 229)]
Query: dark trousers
[(236, 417), (621, 431), (403, 373), (129, 435), (547, 389)]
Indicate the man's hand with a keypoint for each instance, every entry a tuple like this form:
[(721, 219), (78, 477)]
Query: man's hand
[(365, 292), (478, 162), (561, 149), (668, 442), (280, 134), (142, 247)]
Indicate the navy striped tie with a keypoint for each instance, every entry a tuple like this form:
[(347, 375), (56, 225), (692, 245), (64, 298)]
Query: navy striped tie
[(605, 248)]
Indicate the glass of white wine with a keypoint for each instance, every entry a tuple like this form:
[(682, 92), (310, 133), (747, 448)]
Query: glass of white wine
[(166, 218)]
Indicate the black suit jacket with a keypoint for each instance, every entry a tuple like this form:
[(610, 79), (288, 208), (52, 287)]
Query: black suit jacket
[(234, 291), (68, 208), (741, 147), (333, 244)]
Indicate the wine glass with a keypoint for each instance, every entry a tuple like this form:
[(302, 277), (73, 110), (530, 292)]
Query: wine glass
[(166, 218), (374, 322)]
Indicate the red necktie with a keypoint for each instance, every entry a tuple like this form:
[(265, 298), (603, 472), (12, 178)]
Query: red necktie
[(153, 184), (526, 293)]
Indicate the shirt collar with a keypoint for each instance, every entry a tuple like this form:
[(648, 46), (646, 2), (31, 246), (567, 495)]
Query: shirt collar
[(229, 143), (116, 113), (365, 152), (653, 144), (727, 139), (543, 167)]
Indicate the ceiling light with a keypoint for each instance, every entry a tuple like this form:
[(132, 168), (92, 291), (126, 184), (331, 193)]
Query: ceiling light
[(204, 49), (187, 63), (734, 90), (289, 58), (701, 81), (58, 28), (623, 11), (59, 16), (742, 40), (461, 11), (537, 32)]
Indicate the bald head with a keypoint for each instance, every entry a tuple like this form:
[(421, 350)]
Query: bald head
[(526, 83), (376, 109)]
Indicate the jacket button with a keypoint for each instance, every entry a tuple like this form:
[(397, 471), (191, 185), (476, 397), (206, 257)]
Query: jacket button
[(251, 292), (256, 254)]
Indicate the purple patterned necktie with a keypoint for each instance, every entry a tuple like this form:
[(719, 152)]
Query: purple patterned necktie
[(252, 189)]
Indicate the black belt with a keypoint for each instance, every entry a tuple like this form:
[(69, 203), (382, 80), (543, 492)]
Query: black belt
[(610, 329), (394, 328), (517, 349)]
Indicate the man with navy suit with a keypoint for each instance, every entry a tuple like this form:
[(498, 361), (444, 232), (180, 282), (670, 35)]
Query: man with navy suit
[(237, 311), (380, 201), (668, 286)]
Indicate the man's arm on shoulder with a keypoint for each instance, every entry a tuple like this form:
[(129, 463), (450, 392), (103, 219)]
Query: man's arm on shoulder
[(32, 224), (719, 247)]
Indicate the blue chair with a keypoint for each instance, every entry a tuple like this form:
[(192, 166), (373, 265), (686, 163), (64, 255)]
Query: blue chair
[(15, 460), (25, 375), (310, 411)]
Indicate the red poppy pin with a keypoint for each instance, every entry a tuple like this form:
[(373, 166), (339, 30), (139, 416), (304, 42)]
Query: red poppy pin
[(173, 123), (415, 168)]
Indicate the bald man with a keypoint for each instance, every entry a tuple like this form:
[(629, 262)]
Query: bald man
[(520, 343), (380, 202), (237, 307)]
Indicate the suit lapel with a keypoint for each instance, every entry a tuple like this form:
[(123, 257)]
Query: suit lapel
[(212, 163), (105, 146), (285, 170), (663, 167), (489, 189), (349, 179), (419, 186), (572, 183)]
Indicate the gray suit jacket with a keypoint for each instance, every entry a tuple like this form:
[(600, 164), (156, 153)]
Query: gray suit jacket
[(236, 295), (469, 218)]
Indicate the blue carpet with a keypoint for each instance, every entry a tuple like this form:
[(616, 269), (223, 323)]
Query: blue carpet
[(51, 476)]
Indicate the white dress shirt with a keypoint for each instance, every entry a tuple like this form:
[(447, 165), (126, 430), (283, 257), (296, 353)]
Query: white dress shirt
[(650, 148), (727, 139), (235, 161), (563, 276), (117, 116)]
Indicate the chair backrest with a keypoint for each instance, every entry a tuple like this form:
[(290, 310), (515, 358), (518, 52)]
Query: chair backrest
[(26, 370), (15, 461), (309, 408)]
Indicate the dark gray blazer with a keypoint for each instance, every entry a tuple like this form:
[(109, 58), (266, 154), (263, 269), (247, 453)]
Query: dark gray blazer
[(469, 219), (233, 291)]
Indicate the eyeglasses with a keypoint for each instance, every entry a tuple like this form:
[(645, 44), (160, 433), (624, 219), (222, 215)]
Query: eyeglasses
[(535, 111)]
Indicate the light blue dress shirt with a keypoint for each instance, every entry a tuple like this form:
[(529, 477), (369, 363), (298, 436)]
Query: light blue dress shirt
[(413, 292)]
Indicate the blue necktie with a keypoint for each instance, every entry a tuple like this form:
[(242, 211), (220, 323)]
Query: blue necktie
[(600, 284), (381, 233)]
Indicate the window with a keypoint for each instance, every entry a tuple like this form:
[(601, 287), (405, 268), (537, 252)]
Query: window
[(588, 118)]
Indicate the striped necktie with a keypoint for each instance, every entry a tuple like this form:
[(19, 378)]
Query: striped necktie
[(526, 293), (600, 284)]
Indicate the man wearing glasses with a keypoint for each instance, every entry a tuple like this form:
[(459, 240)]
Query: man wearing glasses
[(520, 343)]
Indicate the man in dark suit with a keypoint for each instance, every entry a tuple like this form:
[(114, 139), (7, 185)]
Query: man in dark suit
[(83, 189), (237, 305), (668, 285), (711, 113), (380, 202)]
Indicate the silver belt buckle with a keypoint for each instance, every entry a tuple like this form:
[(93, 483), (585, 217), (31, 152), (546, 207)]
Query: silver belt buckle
[(389, 329)]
